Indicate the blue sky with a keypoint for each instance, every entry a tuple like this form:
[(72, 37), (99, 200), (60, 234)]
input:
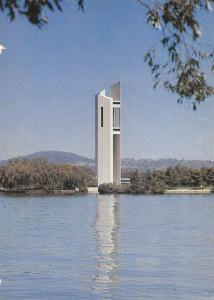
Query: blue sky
[(49, 78)]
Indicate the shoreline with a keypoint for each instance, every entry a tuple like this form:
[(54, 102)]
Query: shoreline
[(94, 190), (173, 191), (193, 191), (40, 192)]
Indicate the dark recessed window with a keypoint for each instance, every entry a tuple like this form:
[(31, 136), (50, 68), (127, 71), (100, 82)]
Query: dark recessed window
[(101, 116)]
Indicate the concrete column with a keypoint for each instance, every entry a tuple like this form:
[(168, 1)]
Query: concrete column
[(107, 136), (103, 138), (116, 159)]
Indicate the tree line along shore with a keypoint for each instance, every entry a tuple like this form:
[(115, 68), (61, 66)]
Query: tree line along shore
[(38, 176), (177, 179)]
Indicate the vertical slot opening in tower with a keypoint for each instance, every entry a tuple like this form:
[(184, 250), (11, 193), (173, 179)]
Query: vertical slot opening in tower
[(101, 116)]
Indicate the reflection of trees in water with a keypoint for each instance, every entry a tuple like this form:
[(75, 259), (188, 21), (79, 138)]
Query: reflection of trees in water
[(107, 238)]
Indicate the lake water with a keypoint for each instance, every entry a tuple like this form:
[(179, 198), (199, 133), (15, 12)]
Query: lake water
[(107, 247)]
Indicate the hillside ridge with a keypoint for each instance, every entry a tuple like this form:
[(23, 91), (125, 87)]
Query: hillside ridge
[(63, 157)]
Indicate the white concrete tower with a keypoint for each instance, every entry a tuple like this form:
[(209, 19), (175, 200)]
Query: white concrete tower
[(107, 136)]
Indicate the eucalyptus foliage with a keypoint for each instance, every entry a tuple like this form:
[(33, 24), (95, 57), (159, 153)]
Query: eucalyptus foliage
[(33, 10), (184, 62)]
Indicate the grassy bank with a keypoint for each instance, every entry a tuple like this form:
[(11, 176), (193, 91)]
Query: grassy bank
[(190, 190)]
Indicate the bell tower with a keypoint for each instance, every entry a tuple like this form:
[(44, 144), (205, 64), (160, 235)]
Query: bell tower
[(107, 136)]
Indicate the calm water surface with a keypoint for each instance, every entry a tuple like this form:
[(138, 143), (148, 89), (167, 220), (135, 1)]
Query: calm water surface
[(107, 247)]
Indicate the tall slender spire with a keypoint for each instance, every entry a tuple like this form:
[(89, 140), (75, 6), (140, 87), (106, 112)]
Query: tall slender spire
[(107, 136)]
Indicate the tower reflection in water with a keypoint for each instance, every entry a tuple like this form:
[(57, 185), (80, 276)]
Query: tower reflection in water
[(107, 238)]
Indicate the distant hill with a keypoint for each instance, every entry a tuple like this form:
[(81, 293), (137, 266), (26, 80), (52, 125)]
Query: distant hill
[(163, 163), (59, 157), (127, 163)]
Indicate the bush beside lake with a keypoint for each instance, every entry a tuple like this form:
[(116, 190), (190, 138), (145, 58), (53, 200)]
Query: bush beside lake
[(157, 181), (110, 188), (38, 174)]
